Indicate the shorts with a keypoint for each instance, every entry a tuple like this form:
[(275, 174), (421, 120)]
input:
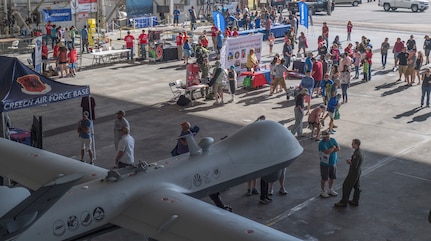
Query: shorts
[(62, 62), (317, 83), (427, 52), (314, 124), (72, 65), (328, 172), (85, 143), (331, 114), (280, 81), (410, 70), (402, 69), (187, 53), (217, 88)]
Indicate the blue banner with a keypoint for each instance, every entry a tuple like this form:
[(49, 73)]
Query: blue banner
[(57, 15), (219, 21), (303, 14)]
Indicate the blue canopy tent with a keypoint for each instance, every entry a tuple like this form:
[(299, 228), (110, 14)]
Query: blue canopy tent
[(21, 87)]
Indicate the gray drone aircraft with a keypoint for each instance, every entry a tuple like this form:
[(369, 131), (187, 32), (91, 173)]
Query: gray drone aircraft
[(65, 199)]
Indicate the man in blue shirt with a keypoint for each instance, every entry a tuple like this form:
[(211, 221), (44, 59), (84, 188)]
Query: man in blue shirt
[(308, 66), (85, 130), (176, 16), (328, 148), (84, 39)]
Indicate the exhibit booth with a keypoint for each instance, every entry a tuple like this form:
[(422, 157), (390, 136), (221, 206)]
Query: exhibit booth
[(21, 87)]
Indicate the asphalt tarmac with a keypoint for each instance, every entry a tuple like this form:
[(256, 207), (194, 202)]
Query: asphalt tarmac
[(385, 115)]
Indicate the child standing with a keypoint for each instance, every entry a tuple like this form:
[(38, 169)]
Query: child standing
[(72, 61), (271, 40), (365, 66), (349, 30), (357, 62)]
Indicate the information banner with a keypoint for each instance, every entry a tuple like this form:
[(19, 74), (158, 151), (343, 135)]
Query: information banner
[(236, 50), (57, 15)]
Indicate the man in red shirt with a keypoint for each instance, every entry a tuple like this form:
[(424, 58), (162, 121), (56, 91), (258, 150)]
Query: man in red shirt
[(214, 31), (143, 41), (48, 28), (129, 44), (179, 42), (317, 74)]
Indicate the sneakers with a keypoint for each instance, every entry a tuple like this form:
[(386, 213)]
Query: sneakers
[(324, 194), (333, 193), (271, 192), (353, 203), (264, 201), (282, 191)]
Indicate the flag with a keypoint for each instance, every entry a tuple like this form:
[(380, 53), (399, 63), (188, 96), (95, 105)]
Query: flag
[(303, 14), (219, 21)]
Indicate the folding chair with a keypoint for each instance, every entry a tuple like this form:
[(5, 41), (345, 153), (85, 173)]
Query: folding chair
[(176, 89), (14, 46)]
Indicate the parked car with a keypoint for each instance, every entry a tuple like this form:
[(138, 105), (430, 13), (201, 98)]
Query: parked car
[(414, 5), (352, 2)]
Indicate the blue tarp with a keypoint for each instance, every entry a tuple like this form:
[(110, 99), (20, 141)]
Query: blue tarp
[(21, 87)]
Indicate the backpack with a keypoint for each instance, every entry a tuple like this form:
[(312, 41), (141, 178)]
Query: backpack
[(183, 101), (195, 130), (215, 77)]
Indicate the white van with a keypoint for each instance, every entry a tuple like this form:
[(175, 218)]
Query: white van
[(414, 5)]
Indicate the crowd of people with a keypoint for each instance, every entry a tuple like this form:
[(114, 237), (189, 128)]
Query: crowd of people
[(328, 74)]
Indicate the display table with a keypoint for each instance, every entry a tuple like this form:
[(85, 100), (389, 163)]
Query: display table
[(21, 136), (192, 88), (258, 78), (107, 56)]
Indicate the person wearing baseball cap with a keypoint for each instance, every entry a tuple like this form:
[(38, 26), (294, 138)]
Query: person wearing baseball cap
[(119, 123), (328, 148), (85, 131)]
